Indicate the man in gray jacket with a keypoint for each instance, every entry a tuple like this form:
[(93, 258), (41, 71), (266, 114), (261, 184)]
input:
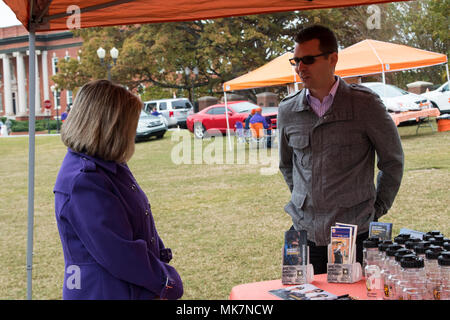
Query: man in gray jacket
[(329, 133)]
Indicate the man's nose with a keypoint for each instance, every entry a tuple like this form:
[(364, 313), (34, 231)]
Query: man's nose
[(300, 67)]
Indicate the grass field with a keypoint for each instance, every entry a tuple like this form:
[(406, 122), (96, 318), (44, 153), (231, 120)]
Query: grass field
[(224, 222)]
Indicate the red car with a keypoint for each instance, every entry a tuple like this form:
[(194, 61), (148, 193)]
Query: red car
[(213, 118)]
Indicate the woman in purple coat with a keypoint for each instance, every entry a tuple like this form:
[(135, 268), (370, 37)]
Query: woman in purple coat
[(111, 247)]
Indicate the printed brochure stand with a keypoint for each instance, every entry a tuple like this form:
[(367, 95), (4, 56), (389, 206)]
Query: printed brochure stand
[(344, 273), (297, 274)]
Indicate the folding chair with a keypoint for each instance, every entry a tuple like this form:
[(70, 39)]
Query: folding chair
[(258, 135)]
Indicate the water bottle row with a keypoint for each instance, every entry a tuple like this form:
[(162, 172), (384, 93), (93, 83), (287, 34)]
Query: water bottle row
[(408, 268)]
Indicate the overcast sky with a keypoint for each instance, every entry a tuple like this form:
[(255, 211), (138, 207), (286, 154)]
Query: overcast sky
[(7, 17)]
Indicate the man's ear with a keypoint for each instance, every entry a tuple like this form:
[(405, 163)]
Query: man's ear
[(333, 58)]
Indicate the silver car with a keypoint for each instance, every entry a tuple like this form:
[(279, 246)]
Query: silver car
[(174, 110), (396, 99), (149, 126)]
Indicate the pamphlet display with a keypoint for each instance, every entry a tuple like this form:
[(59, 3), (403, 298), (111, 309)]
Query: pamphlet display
[(381, 230), (303, 292), (296, 268), (342, 266)]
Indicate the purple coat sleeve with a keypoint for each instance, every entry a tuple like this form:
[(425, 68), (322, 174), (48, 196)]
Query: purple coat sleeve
[(100, 221)]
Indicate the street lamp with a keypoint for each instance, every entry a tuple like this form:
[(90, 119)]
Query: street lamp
[(188, 72), (193, 92), (55, 91), (114, 54)]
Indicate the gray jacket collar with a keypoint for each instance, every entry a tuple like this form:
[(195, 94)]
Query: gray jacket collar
[(341, 109)]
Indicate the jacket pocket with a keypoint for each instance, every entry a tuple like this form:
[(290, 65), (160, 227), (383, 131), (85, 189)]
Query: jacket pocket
[(298, 141), (298, 200), (300, 144)]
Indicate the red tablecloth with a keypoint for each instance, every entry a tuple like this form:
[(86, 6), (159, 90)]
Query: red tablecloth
[(405, 116), (260, 290)]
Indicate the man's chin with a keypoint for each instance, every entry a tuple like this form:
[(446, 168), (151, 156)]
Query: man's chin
[(306, 84)]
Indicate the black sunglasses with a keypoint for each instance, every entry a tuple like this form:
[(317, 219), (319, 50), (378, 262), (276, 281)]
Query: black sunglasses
[(306, 59)]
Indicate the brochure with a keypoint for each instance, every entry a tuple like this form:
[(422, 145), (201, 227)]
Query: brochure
[(303, 292), (412, 233), (295, 257), (341, 245), (382, 230), (353, 242)]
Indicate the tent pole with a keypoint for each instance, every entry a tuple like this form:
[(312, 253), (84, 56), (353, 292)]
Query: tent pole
[(226, 117), (31, 157)]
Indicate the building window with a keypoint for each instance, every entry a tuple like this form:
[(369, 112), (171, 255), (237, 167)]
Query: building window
[(69, 97), (55, 65), (57, 99)]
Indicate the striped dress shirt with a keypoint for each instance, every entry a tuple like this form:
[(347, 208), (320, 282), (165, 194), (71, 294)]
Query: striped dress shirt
[(321, 107)]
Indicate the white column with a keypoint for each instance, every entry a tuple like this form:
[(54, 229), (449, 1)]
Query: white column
[(7, 92), (38, 87), (45, 75), (21, 84), (37, 91)]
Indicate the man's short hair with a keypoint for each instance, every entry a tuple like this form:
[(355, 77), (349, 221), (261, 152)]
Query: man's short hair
[(326, 37)]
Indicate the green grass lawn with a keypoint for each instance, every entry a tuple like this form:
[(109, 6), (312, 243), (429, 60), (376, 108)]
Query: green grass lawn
[(224, 222)]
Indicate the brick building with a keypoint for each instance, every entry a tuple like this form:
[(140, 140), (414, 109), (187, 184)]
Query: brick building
[(50, 47)]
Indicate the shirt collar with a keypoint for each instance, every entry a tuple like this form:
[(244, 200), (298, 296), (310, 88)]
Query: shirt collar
[(108, 165), (332, 90)]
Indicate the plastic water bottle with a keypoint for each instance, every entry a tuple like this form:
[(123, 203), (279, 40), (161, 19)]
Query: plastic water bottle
[(387, 268), (371, 255), (382, 247), (396, 274), (413, 273), (444, 266), (431, 262), (373, 282)]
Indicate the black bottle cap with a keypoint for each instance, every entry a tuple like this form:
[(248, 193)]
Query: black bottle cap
[(411, 243), (434, 232), (392, 249), (421, 246), (411, 261), (446, 246), (433, 252), (438, 240), (402, 252), (371, 242), (444, 258), (427, 236), (383, 245), (402, 238)]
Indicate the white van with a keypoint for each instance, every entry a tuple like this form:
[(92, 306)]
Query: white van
[(174, 110)]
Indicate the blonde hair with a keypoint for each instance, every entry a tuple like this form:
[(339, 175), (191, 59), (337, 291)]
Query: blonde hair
[(103, 121)]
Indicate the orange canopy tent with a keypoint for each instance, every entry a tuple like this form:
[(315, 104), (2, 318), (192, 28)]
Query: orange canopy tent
[(275, 73), (47, 15), (363, 58), (54, 14)]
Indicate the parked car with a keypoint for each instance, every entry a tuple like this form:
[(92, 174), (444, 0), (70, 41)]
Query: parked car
[(174, 110), (440, 98), (149, 126), (213, 118), (396, 99)]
